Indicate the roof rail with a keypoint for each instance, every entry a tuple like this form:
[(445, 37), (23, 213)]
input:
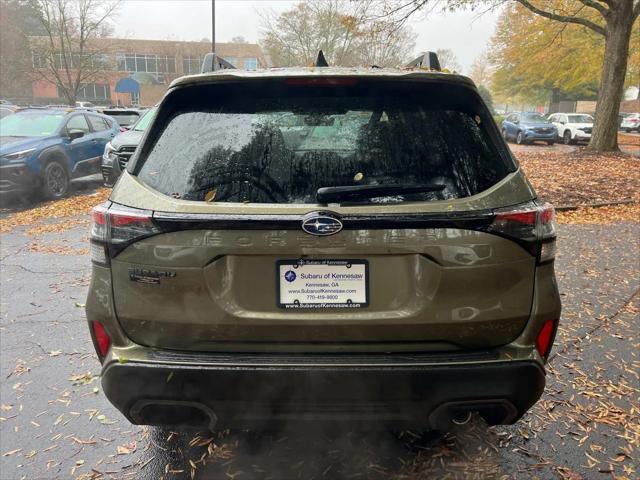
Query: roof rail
[(213, 63), (427, 60), (320, 60)]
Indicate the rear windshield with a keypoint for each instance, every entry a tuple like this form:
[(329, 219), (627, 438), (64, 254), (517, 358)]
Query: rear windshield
[(533, 117), (580, 119), (124, 119), (281, 145)]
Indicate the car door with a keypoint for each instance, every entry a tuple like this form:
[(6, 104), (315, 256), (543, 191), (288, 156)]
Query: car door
[(101, 133), (507, 126), (512, 129), (78, 149)]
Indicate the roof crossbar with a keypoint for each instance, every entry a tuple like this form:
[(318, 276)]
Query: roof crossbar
[(427, 60), (213, 63)]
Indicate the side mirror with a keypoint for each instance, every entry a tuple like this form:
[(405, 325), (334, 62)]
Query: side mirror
[(516, 121), (561, 122), (75, 134)]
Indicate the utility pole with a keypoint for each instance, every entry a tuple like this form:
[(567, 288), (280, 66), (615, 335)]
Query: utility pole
[(213, 26)]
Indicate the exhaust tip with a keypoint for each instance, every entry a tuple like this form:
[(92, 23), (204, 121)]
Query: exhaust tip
[(173, 412)]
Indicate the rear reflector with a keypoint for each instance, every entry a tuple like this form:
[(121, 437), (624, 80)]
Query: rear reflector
[(544, 340), (103, 342)]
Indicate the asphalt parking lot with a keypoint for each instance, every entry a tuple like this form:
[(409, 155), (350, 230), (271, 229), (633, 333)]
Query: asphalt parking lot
[(57, 424)]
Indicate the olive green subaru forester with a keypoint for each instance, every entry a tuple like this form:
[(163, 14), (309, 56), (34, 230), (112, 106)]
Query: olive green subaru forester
[(323, 244)]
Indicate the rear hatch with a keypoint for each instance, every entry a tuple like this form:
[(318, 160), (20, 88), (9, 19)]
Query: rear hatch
[(425, 239)]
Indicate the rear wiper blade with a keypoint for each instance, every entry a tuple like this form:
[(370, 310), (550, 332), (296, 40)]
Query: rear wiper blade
[(359, 192)]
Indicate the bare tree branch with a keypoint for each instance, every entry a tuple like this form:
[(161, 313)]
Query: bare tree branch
[(562, 18), (636, 9), (604, 11), (72, 56)]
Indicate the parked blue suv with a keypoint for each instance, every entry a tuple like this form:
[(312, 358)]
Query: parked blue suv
[(41, 150), (528, 127)]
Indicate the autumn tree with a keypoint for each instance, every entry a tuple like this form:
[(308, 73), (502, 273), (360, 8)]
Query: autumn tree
[(448, 59), (481, 71), (18, 21), (525, 45), (69, 55), (613, 20), (344, 31)]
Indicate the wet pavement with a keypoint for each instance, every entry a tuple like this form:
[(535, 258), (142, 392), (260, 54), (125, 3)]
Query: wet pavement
[(56, 423)]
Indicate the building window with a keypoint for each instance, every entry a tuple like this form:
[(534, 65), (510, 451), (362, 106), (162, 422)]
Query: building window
[(39, 61), (191, 65), (91, 92), (87, 60), (250, 63), (149, 63)]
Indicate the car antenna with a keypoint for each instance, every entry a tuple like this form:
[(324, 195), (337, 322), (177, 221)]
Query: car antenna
[(321, 61), (428, 60)]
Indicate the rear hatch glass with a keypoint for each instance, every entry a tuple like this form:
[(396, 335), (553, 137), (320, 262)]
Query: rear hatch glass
[(281, 141), (124, 119)]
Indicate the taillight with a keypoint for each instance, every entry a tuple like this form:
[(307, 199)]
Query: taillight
[(531, 225), (544, 340), (103, 342), (115, 227)]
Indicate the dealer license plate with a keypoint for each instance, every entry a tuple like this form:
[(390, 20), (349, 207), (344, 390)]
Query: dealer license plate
[(309, 284)]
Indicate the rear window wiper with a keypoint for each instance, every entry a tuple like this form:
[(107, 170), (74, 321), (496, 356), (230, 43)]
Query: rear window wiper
[(359, 192)]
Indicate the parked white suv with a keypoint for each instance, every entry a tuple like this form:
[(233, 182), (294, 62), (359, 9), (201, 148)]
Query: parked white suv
[(631, 122), (572, 127)]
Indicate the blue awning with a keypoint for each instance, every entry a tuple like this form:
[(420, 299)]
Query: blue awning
[(127, 85)]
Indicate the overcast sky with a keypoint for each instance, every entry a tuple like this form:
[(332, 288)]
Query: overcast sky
[(466, 33)]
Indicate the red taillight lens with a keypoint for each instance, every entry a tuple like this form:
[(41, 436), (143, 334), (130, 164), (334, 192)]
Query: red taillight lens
[(531, 225), (115, 227), (103, 342), (525, 218), (544, 340)]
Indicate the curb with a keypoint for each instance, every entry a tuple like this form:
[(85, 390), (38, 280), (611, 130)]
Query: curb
[(565, 208)]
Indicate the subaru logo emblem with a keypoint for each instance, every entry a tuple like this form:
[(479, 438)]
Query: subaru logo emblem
[(321, 223)]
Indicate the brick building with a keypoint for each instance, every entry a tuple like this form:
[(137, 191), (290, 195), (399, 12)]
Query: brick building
[(137, 72)]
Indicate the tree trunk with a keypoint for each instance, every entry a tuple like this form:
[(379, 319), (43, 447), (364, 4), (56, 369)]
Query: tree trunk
[(614, 68)]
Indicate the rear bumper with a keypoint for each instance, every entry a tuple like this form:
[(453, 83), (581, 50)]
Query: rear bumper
[(257, 390)]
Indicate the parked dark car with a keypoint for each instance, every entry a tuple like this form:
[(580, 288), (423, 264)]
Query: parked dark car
[(126, 117), (41, 150), (119, 150), (527, 127)]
